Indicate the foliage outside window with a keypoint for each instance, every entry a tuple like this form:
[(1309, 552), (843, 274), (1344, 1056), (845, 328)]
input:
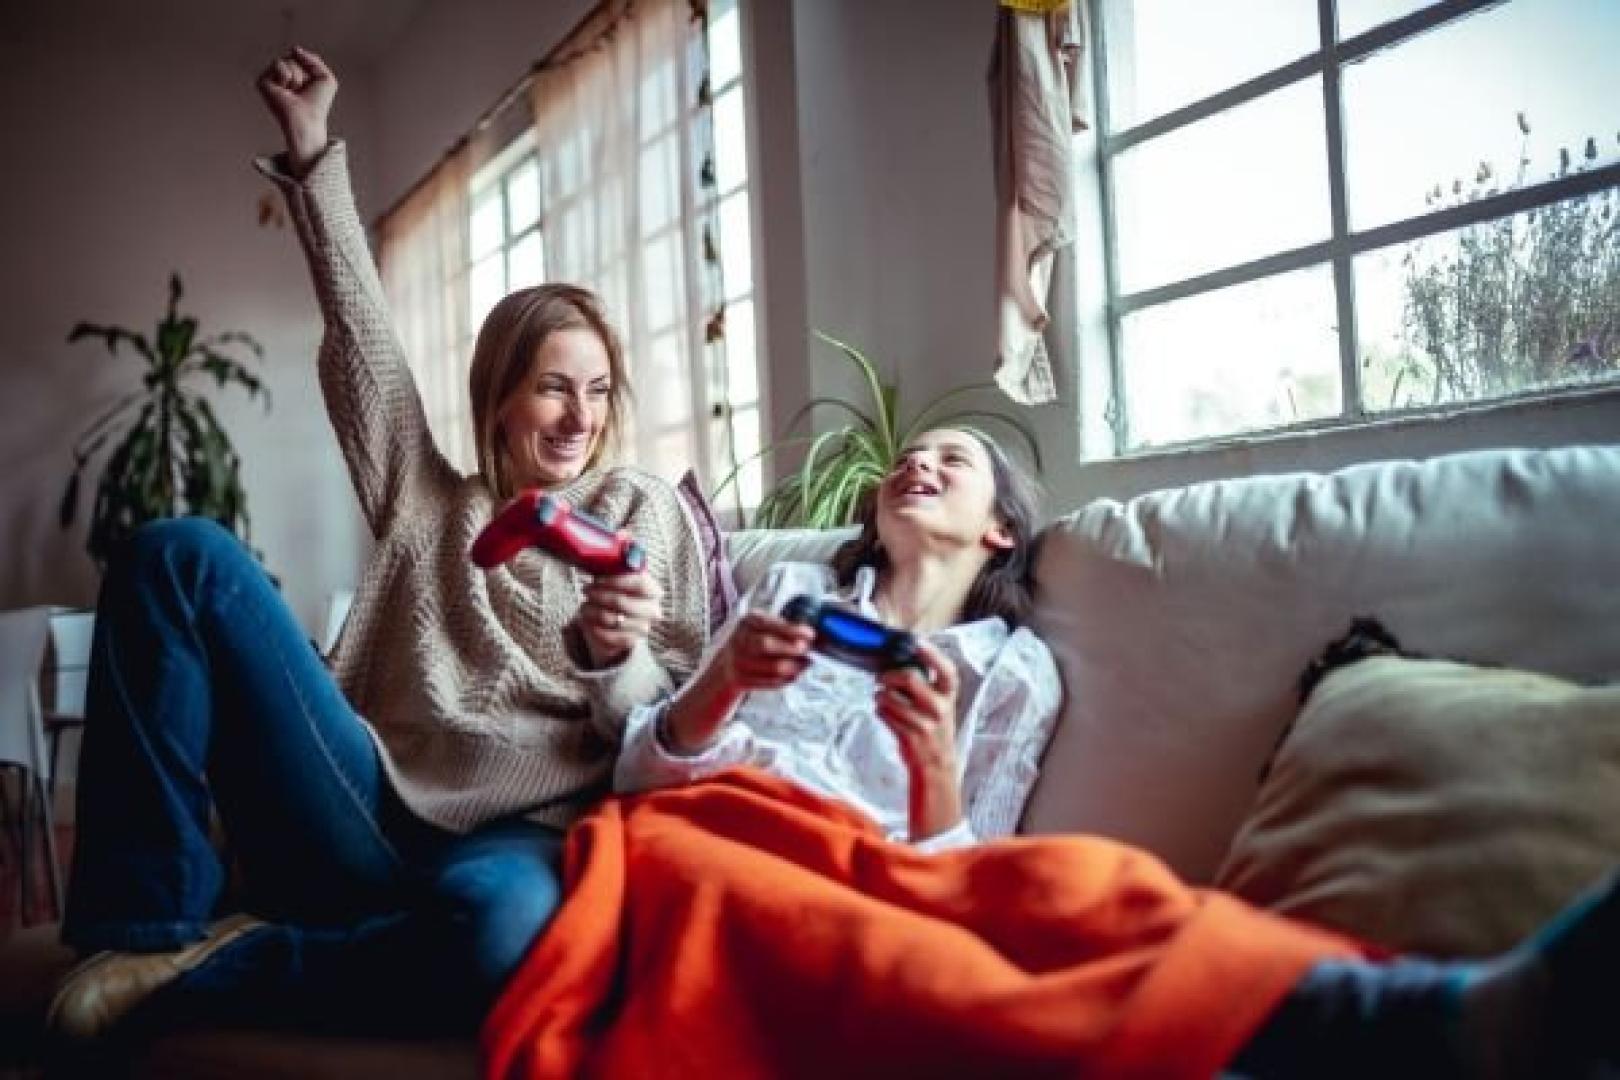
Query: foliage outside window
[(1354, 207)]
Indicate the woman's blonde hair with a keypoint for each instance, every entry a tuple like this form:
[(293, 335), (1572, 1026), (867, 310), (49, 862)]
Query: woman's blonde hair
[(504, 354)]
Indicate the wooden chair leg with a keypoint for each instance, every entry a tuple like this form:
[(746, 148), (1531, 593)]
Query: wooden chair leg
[(11, 839), (25, 864), (56, 744), (47, 822)]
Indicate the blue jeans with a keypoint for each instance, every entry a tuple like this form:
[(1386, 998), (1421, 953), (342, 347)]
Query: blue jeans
[(205, 694)]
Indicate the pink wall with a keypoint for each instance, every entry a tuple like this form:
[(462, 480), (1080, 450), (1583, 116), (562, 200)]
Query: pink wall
[(129, 159), (451, 63)]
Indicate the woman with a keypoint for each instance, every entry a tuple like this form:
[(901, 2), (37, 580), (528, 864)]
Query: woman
[(397, 818), (747, 926)]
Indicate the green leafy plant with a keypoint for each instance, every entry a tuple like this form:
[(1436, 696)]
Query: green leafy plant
[(845, 462), (171, 456)]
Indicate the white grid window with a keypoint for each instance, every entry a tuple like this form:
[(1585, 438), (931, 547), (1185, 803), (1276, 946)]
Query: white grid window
[(505, 248), (1318, 213)]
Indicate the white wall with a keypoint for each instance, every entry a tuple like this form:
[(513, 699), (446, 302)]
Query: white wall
[(894, 136), (129, 150)]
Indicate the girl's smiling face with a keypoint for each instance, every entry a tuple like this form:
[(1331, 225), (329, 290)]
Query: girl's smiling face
[(941, 492)]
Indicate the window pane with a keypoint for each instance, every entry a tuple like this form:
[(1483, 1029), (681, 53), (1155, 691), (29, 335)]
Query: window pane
[(664, 282), (736, 252), (487, 231), (1521, 303), (1161, 56), (660, 95), (660, 183), (523, 196), (486, 286), (730, 140), (1359, 16), (664, 385), (725, 43), (745, 429), (526, 262), (1251, 356), (742, 374), (1501, 99), (1244, 183), (671, 453)]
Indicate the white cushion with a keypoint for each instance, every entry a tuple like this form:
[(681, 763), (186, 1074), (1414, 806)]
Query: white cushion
[(1182, 619), (754, 551)]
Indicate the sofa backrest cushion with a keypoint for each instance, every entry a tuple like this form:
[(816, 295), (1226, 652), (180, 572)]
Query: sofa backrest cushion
[(754, 551), (1181, 619)]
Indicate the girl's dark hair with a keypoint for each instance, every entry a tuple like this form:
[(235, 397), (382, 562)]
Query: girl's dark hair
[(1005, 586)]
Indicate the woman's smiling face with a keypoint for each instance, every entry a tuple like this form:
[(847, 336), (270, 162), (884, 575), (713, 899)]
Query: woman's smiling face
[(552, 423)]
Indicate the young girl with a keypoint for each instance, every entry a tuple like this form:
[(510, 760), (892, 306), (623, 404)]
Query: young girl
[(749, 926), (398, 817), (943, 756)]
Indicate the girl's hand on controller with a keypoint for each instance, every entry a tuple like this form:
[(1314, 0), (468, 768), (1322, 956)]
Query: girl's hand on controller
[(920, 708), (761, 651), (618, 611)]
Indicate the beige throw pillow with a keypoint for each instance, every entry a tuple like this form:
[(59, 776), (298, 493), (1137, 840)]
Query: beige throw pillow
[(1435, 807)]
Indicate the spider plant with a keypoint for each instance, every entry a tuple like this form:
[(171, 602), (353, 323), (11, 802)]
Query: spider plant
[(845, 462), (172, 456)]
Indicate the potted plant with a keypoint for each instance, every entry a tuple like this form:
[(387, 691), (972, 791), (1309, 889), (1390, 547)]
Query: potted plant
[(171, 456), (845, 462)]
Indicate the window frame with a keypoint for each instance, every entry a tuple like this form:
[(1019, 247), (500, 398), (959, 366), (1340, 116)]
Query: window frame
[(496, 173), (1342, 245)]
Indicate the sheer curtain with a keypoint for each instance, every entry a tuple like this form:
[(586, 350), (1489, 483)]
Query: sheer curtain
[(620, 120), (422, 251), (623, 147)]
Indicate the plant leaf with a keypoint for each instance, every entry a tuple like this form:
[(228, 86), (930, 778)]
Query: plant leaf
[(174, 338), (884, 401), (113, 336), (234, 337), (225, 370), (803, 412), (736, 471)]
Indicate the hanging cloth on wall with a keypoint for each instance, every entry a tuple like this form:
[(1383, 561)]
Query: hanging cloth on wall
[(1036, 105)]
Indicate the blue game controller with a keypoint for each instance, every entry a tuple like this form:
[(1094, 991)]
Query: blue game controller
[(853, 638)]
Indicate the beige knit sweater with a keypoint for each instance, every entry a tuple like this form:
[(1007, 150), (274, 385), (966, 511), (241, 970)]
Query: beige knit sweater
[(471, 680)]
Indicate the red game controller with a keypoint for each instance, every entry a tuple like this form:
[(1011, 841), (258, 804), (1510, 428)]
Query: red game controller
[(535, 519)]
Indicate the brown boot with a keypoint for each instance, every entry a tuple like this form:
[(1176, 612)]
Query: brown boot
[(103, 989)]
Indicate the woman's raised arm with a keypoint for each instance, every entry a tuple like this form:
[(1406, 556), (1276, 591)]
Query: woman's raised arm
[(370, 395)]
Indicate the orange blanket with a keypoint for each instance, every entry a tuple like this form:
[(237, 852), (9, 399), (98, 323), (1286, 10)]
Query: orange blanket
[(743, 927)]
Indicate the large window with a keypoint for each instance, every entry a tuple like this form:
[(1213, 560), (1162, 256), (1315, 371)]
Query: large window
[(1319, 213), (620, 164)]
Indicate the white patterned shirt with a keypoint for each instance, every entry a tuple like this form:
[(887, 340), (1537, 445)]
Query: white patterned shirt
[(822, 730)]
